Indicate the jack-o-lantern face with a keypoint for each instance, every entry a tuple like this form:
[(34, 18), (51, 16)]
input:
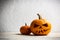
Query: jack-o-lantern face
[(40, 27)]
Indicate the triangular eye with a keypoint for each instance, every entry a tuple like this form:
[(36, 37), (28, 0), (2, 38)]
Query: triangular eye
[(46, 25), (35, 25)]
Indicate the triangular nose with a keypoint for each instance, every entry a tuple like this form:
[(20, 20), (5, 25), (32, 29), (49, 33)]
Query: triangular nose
[(40, 26)]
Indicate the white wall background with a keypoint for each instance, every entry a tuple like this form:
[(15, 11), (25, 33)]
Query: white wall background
[(14, 14)]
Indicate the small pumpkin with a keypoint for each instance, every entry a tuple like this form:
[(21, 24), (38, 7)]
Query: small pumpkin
[(40, 26), (25, 29)]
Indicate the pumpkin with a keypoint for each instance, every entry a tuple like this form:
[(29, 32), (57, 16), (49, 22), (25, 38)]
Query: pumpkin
[(25, 29), (40, 26)]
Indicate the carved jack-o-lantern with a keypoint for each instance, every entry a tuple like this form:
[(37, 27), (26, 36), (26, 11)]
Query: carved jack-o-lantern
[(40, 26)]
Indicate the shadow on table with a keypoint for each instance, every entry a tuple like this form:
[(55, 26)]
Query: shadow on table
[(29, 35)]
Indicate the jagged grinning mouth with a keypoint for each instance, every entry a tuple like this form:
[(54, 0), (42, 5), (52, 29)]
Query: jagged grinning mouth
[(42, 31)]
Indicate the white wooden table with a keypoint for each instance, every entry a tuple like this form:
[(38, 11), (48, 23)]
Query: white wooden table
[(18, 36)]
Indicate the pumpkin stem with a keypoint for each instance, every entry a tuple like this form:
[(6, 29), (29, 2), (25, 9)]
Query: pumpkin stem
[(25, 24), (39, 16)]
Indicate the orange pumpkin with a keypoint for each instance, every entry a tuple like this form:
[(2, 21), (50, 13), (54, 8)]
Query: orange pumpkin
[(25, 29), (40, 26)]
